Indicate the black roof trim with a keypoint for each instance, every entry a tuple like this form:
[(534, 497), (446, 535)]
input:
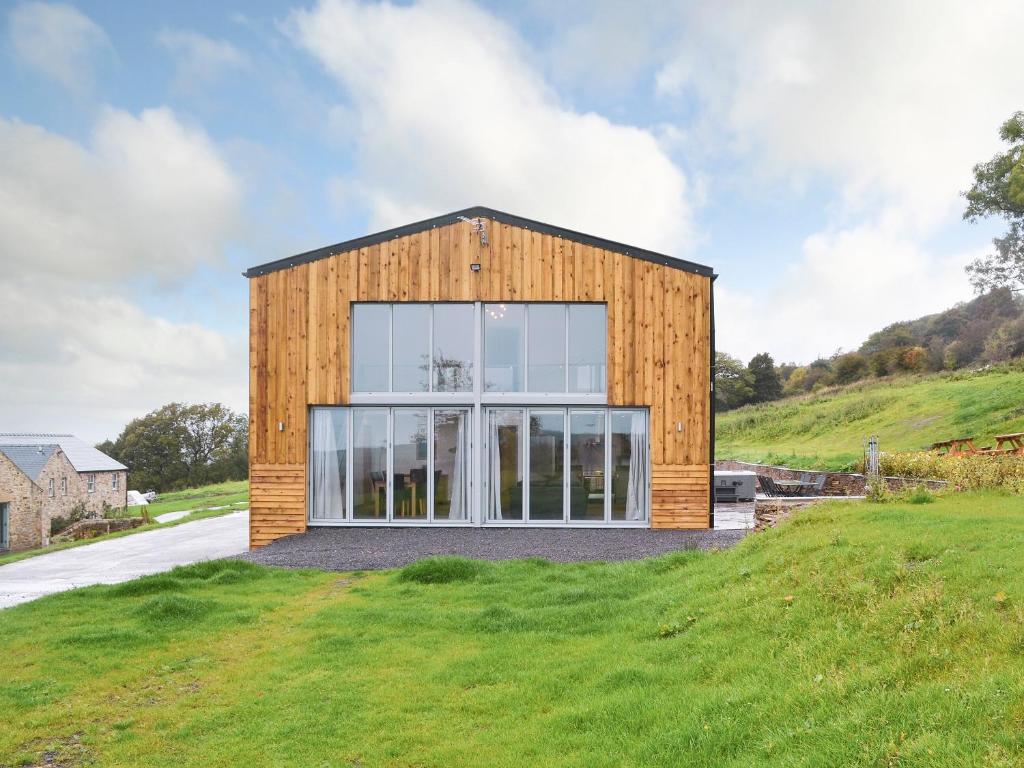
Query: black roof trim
[(474, 212)]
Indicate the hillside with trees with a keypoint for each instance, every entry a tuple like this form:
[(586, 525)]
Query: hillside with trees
[(985, 331)]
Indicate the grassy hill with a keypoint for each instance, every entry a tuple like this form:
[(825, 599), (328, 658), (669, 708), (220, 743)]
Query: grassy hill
[(852, 635), (828, 429)]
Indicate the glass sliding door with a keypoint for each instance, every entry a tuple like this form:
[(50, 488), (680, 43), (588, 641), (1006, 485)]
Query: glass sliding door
[(505, 464), (453, 464), (328, 464), (410, 461), (370, 464), (547, 465), (586, 466), (628, 465)]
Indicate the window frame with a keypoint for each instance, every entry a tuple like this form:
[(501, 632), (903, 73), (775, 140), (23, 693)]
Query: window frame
[(51, 488), (64, 485), (115, 481), (478, 394), (389, 518), (90, 483)]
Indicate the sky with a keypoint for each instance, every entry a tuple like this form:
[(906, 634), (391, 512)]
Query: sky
[(813, 153)]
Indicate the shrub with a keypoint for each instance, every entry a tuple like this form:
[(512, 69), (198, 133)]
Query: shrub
[(75, 514), (964, 473), (442, 570)]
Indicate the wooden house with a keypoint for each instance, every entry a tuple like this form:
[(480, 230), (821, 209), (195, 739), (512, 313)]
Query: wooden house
[(480, 369)]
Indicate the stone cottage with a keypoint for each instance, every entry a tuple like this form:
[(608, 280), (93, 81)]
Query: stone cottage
[(43, 476)]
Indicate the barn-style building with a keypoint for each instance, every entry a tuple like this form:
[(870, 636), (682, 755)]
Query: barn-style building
[(481, 369)]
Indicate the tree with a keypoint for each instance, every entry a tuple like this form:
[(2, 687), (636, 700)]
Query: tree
[(851, 367), (181, 446), (734, 386), (999, 191), (766, 382)]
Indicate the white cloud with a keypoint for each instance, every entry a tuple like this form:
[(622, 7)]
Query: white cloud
[(892, 103), (200, 59), (451, 112), (845, 285), (73, 361), (147, 201), (149, 198), (57, 40)]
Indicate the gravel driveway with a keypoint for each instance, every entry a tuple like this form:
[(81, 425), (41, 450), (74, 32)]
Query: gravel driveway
[(352, 549), (128, 557)]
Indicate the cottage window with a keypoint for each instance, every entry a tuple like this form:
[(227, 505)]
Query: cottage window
[(64, 486), (91, 483), (115, 481), (51, 488)]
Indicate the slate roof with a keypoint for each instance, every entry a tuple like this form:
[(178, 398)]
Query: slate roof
[(83, 457), (30, 459)]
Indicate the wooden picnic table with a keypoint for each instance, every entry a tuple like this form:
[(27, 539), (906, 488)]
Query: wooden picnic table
[(956, 446), (1010, 443)]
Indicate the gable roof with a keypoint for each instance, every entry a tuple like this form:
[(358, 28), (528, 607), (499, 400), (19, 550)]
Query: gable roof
[(30, 459), (83, 457), (479, 211)]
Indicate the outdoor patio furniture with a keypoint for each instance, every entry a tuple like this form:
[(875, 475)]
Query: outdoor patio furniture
[(769, 487)]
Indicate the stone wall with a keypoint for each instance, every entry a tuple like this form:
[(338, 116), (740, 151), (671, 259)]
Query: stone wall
[(105, 491), (88, 529), (836, 483), (24, 501)]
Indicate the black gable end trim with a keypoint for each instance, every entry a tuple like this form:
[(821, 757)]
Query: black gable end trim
[(482, 212)]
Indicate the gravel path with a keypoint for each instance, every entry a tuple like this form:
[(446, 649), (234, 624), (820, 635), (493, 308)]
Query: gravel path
[(351, 549)]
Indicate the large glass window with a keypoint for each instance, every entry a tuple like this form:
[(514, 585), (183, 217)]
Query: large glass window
[(505, 464), (328, 464), (587, 353), (504, 347), (546, 363), (628, 434), (409, 474), (411, 345), (586, 465), (547, 465), (369, 463), (545, 348), (453, 348), (453, 464), (371, 325)]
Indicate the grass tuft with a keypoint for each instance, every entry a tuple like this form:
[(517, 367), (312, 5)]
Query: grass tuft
[(442, 570), (168, 609)]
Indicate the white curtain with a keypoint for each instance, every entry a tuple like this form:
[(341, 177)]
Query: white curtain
[(494, 481), (328, 474), (636, 487), (460, 503)]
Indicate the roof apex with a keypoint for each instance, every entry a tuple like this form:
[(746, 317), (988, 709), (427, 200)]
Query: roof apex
[(479, 211)]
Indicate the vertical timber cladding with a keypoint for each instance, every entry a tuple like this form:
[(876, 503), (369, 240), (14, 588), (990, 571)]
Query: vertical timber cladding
[(659, 326)]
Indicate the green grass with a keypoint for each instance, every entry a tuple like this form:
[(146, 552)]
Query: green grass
[(828, 430), (233, 495), (852, 635)]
